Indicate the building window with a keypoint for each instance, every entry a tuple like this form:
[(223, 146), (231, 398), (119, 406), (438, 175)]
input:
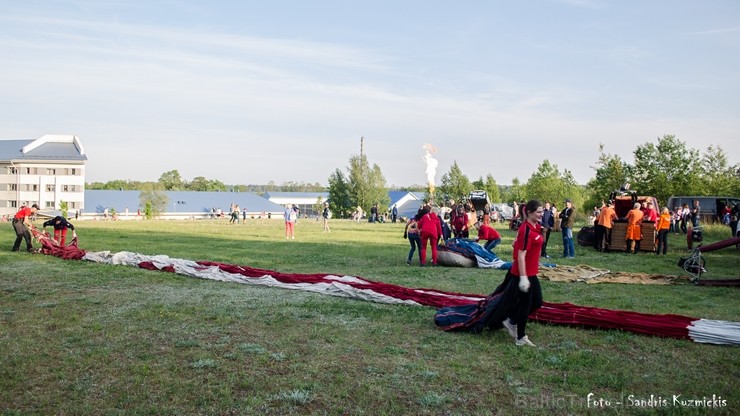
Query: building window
[(12, 170), (51, 171), (65, 188), (13, 204), (50, 204), (74, 172), (49, 188), (12, 187), (32, 171), (73, 205)]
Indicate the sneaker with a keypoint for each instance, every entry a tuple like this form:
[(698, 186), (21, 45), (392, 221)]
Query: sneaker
[(510, 327), (524, 341), (408, 262)]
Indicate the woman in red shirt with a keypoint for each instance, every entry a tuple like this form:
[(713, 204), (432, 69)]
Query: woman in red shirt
[(489, 234), (430, 230), (527, 247), (459, 223)]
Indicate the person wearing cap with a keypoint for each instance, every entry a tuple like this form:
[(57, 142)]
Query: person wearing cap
[(567, 218), (60, 225), (21, 224), (634, 228), (604, 227)]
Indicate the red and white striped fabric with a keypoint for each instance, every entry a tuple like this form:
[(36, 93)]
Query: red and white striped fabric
[(663, 325)]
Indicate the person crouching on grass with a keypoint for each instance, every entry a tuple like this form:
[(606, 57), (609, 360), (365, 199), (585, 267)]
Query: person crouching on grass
[(60, 225), (527, 249)]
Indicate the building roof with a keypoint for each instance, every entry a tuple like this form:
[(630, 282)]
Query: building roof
[(48, 147), (296, 197), (179, 201)]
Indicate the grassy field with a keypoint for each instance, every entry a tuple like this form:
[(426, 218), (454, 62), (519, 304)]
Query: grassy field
[(80, 338)]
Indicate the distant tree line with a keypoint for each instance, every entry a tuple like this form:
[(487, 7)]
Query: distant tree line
[(661, 169), (173, 181)]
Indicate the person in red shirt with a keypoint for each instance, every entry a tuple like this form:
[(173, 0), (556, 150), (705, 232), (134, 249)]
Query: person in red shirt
[(430, 230), (650, 214), (527, 248), (21, 224), (60, 225), (459, 223), (489, 234)]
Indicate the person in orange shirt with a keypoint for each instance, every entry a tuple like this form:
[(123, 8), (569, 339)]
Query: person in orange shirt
[(604, 227), (663, 227), (634, 228)]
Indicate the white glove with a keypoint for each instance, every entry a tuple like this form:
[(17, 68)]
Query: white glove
[(74, 234), (524, 284)]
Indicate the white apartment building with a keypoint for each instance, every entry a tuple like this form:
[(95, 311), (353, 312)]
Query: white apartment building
[(45, 171)]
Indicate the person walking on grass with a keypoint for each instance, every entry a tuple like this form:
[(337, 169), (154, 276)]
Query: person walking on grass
[(291, 216), (326, 215), (523, 273)]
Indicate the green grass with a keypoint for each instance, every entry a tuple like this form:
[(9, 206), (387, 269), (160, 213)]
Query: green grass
[(89, 339)]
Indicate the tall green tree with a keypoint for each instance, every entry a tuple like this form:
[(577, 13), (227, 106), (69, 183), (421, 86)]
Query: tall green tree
[(454, 184), (611, 173), (717, 177), (515, 192), (366, 184), (358, 173), (201, 184), (340, 201), (666, 168), (153, 202), (547, 183), (492, 189), (489, 185), (378, 190), (172, 181)]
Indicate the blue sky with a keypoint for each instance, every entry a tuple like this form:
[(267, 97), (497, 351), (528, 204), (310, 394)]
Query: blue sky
[(254, 91)]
